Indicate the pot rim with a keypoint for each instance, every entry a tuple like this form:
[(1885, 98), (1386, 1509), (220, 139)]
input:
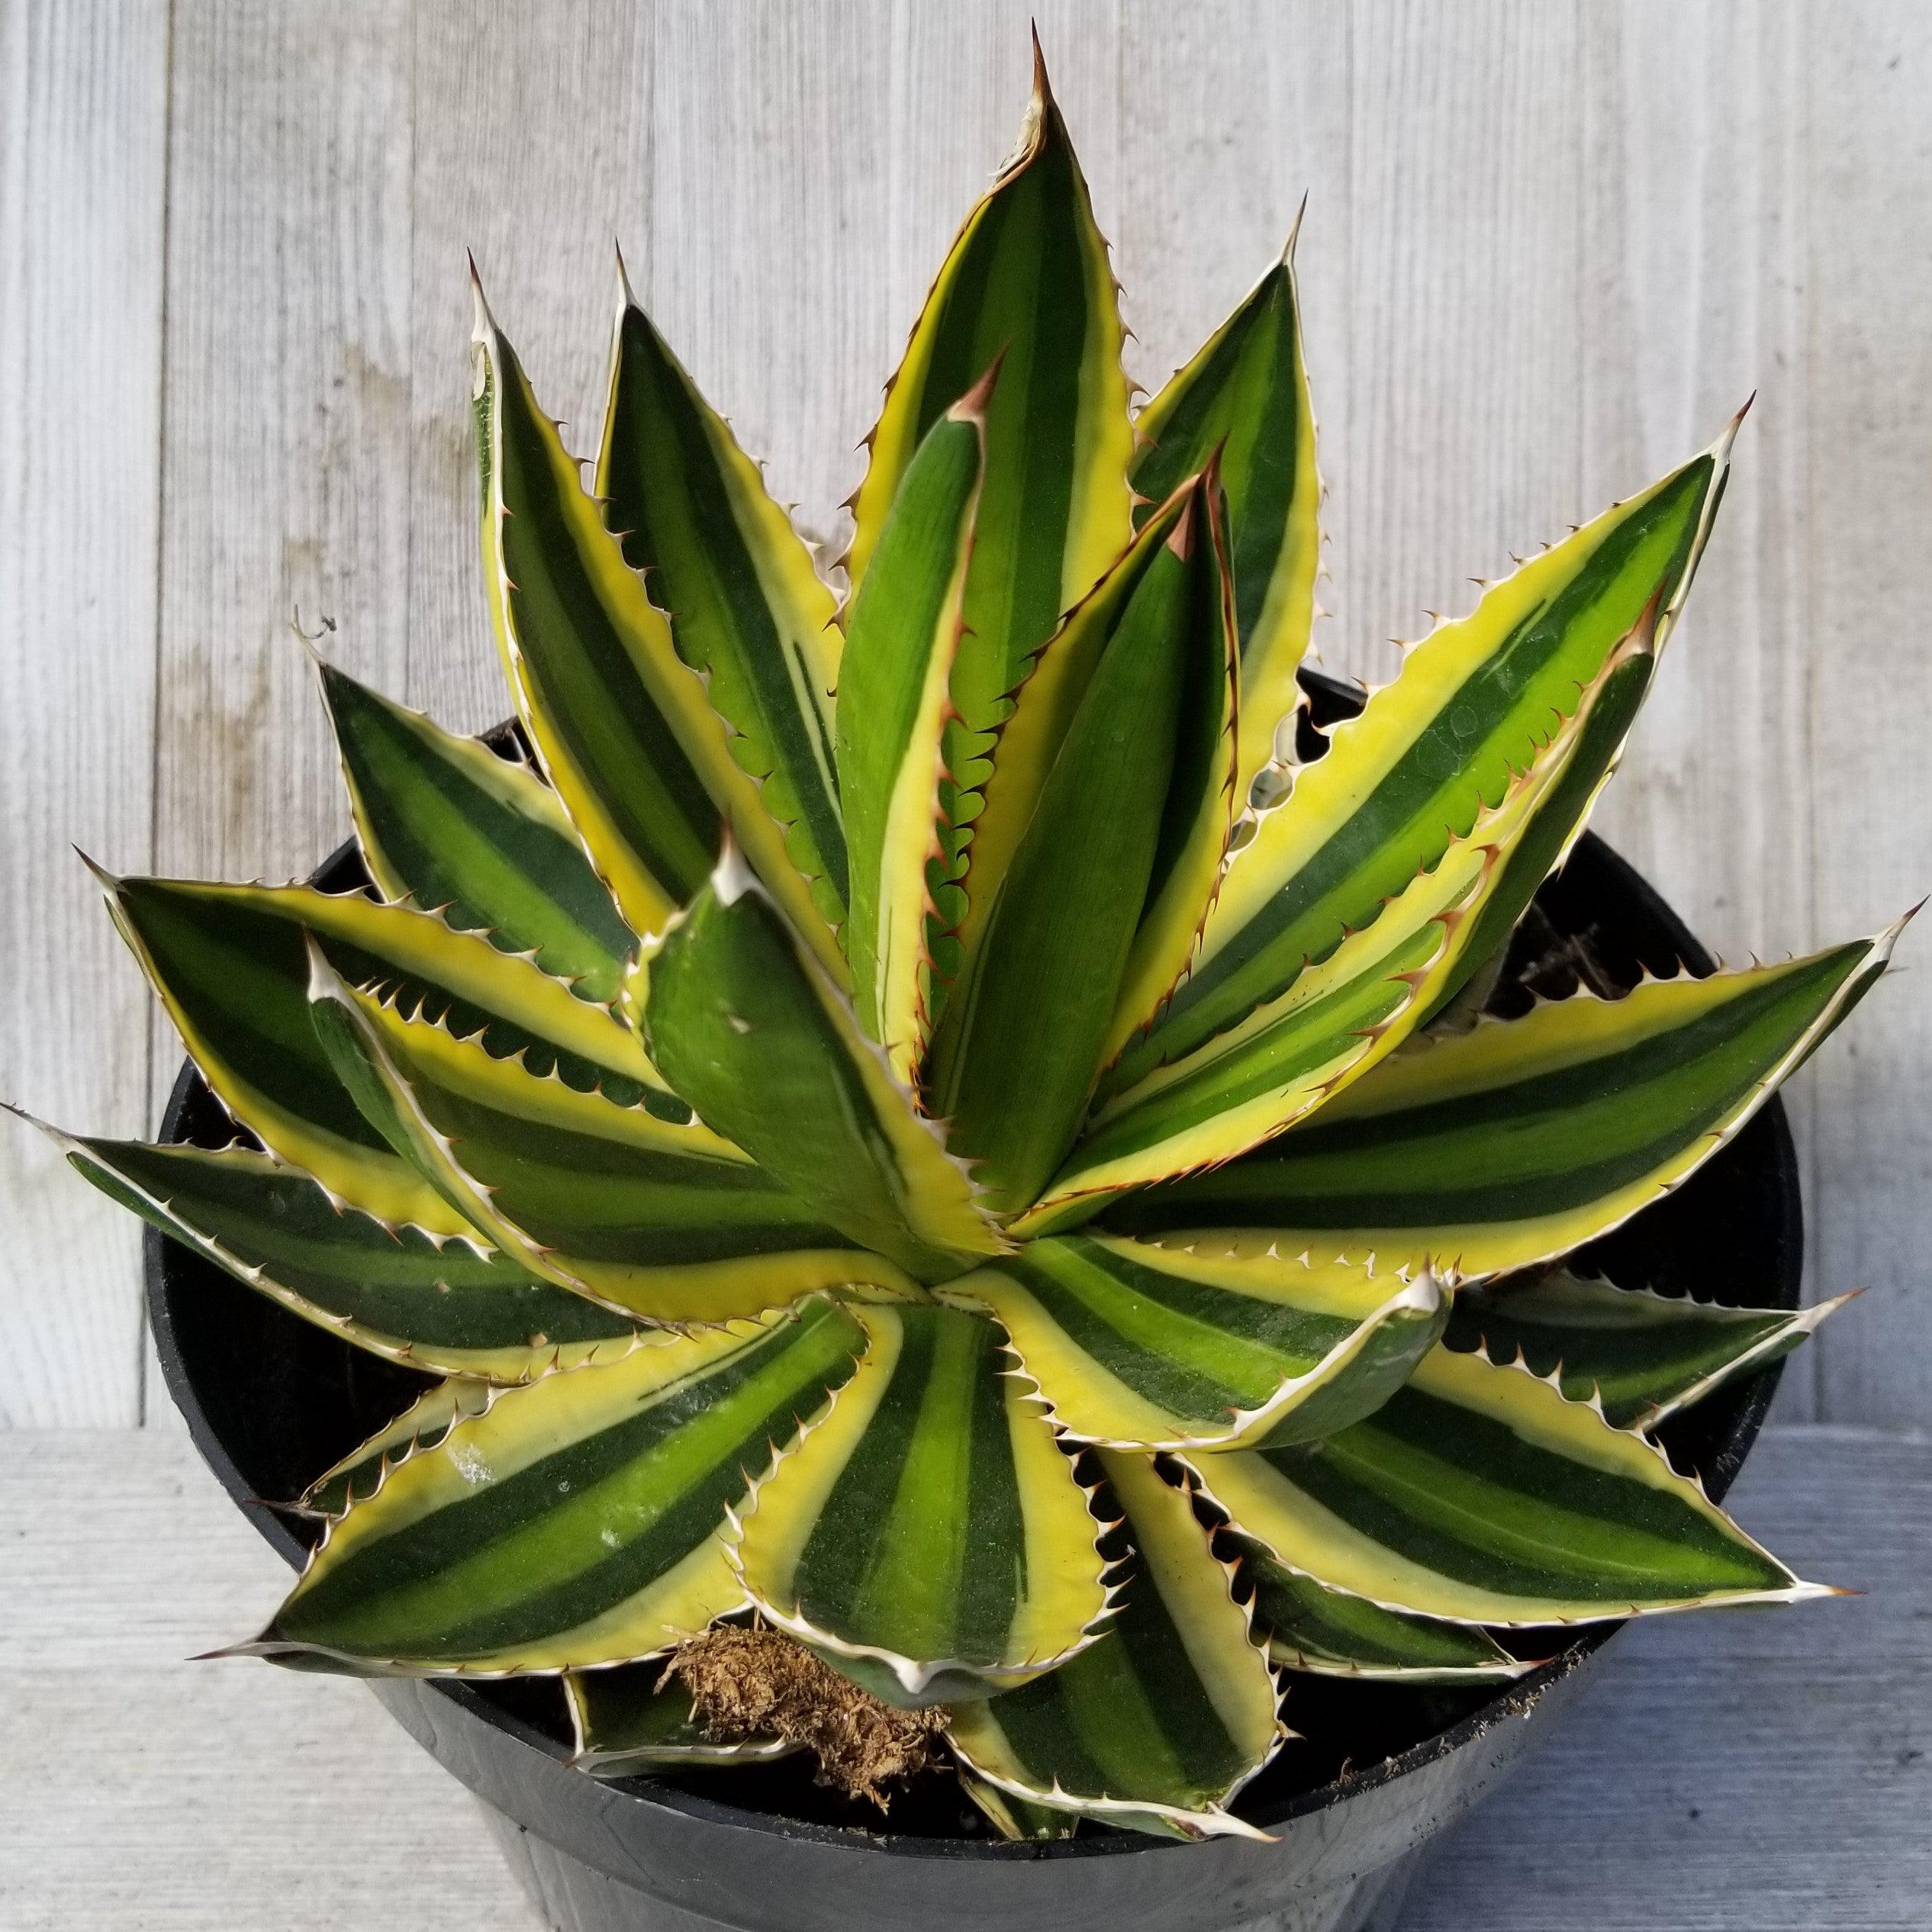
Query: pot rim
[(1516, 1699)]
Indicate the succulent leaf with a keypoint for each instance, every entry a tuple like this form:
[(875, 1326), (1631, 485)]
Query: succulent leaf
[(422, 1425), (1146, 1347), (1643, 1356), (747, 608), (902, 637), (1158, 1725), (1028, 278), (1341, 1016), (1244, 394), (446, 823), (928, 1537), (1508, 1146), (770, 1053), (447, 1305), (621, 722), (629, 1721), (1111, 875), (1326, 1634), (1478, 1494), (667, 1222), (230, 963), (1398, 785), (577, 1522)]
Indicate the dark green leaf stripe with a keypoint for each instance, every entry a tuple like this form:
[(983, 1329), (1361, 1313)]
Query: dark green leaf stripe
[(447, 1306), (746, 606), (622, 724), (1244, 394), (1329, 1634), (667, 1222), (424, 1424), (1599, 730), (446, 823), (1152, 1347), (1019, 1047), (633, 1719), (1479, 1495), (902, 637), (1027, 280), (577, 1522), (1159, 1724), (1395, 787), (770, 1054), (230, 964), (1506, 1147), (1643, 1356), (929, 1538)]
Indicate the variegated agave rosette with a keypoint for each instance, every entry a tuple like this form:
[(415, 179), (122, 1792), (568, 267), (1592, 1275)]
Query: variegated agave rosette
[(929, 1120)]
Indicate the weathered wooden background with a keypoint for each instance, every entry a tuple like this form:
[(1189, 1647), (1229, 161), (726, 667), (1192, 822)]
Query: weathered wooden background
[(1550, 245)]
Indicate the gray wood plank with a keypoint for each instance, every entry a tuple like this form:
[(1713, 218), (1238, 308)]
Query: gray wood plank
[(1693, 235), (1759, 1772), (1868, 697), (83, 95), (140, 1790), (532, 148)]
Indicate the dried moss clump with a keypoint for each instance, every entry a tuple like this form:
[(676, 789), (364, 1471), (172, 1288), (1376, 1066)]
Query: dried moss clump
[(755, 1683)]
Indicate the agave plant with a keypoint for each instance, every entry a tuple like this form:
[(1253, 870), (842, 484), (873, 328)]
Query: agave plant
[(956, 1122)]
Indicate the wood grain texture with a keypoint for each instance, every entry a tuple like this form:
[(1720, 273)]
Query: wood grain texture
[(83, 95), (1550, 246), (1757, 1772)]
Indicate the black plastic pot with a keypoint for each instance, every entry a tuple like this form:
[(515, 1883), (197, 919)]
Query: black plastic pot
[(272, 1401)]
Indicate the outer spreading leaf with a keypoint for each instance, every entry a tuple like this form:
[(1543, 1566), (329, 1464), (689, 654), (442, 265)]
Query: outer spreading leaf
[(422, 1425), (1506, 1147), (448, 1305), (230, 963), (576, 1522), (1158, 1725), (903, 635), (1148, 1347), (769, 1052), (927, 1538), (1107, 884), (669, 1222), (1027, 279), (1479, 1495), (446, 823), (623, 724), (1340, 1016), (1244, 394), (1643, 1356), (1329, 1634), (631, 1721), (746, 607), (1398, 784)]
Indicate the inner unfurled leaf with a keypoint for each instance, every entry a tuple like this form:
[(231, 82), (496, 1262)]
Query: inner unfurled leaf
[(1110, 875), (1028, 279), (772, 1055), (902, 637)]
